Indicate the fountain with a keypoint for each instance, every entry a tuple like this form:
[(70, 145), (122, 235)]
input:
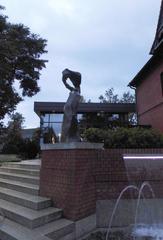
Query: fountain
[(152, 232), (116, 205), (143, 230), (144, 184), (139, 216)]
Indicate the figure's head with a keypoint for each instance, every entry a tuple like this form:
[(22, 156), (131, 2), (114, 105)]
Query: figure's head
[(75, 77)]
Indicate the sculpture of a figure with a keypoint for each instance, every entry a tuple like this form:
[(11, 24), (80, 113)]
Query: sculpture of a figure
[(70, 131)]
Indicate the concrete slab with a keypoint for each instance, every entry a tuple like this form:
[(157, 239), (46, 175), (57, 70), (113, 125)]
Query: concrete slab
[(85, 225), (73, 145)]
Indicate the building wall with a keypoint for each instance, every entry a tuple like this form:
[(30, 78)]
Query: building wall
[(150, 99), (85, 182)]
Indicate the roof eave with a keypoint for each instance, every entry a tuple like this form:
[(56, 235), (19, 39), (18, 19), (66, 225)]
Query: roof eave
[(136, 79), (146, 68)]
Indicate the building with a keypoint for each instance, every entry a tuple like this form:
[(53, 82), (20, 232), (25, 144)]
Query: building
[(148, 83), (89, 115), (28, 133)]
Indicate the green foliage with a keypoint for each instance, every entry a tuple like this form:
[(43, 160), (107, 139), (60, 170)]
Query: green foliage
[(36, 136), (94, 120), (127, 97), (9, 158), (13, 139), (111, 97), (2, 133), (15, 144), (125, 137), (20, 52), (29, 149), (101, 119)]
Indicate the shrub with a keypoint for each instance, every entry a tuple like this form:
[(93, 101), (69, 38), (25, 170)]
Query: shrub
[(125, 137), (29, 149), (25, 149), (12, 146)]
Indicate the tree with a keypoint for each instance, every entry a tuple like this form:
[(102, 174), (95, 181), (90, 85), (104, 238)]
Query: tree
[(127, 97), (104, 120), (20, 52), (14, 142), (13, 139), (111, 97)]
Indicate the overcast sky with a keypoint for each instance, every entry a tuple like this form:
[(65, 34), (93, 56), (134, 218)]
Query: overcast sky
[(108, 41)]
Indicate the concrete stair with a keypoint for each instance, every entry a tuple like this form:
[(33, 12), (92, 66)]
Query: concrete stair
[(28, 215), (24, 199), (23, 164), (20, 177), (19, 186), (20, 171)]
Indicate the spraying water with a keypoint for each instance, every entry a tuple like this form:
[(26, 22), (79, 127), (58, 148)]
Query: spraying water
[(151, 232), (154, 232), (116, 205), (145, 184)]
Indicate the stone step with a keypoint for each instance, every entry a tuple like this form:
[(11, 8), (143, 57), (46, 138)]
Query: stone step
[(24, 199), (20, 177), (20, 171), (19, 186), (23, 164), (10, 230), (58, 229), (28, 217), (62, 228)]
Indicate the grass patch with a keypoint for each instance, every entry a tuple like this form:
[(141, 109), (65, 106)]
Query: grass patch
[(9, 158)]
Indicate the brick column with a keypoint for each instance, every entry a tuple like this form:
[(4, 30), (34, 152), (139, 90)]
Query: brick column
[(67, 176)]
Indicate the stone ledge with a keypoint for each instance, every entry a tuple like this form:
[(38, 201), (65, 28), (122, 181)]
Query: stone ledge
[(73, 145)]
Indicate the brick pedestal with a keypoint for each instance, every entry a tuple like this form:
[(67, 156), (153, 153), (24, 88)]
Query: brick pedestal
[(68, 177)]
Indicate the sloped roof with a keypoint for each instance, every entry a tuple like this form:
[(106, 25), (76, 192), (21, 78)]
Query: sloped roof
[(159, 32), (156, 51), (146, 69)]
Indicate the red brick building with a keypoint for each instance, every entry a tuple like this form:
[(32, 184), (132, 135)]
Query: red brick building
[(148, 83)]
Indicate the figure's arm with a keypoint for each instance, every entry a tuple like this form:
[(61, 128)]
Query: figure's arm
[(74, 78), (64, 79)]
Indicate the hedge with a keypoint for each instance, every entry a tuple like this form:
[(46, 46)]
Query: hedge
[(125, 137)]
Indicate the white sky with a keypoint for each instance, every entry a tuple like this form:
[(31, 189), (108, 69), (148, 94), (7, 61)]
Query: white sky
[(108, 41)]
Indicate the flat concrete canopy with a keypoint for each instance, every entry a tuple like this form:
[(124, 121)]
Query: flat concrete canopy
[(57, 107)]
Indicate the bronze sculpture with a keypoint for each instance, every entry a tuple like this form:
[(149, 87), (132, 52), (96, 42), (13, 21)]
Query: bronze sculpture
[(70, 132)]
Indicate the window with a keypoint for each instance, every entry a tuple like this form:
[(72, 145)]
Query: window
[(51, 124), (161, 77)]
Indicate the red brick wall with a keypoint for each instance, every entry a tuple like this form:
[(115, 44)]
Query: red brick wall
[(68, 177), (111, 174), (150, 99), (76, 179), (154, 118)]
